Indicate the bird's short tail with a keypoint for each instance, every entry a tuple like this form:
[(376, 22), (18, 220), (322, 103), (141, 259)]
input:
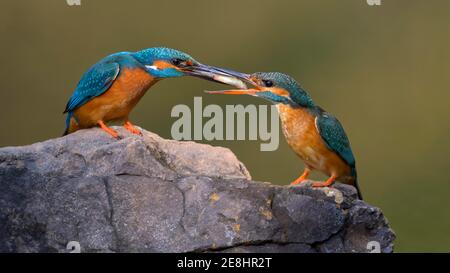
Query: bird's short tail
[(355, 183), (71, 124)]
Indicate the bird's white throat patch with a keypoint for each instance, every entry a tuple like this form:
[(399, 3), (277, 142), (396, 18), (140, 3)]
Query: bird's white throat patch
[(152, 67)]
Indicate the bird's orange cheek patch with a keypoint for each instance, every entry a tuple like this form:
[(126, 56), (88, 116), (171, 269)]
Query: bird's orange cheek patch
[(163, 65), (279, 91)]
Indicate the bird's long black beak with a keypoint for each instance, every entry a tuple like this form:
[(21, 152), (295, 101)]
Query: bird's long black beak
[(214, 74)]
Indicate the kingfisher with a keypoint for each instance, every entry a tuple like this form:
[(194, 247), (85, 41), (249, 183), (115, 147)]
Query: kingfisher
[(314, 134), (110, 89)]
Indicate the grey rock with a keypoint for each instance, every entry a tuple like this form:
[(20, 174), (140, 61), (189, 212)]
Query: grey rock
[(148, 194)]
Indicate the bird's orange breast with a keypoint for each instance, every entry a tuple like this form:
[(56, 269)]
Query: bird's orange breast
[(302, 135), (118, 101)]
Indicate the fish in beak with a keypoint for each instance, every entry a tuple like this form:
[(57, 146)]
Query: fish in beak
[(245, 79), (212, 73)]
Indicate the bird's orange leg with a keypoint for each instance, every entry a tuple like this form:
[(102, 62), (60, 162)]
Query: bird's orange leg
[(130, 127), (105, 128), (326, 183), (302, 177)]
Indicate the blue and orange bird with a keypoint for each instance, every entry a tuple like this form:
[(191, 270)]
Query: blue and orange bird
[(110, 89), (315, 135)]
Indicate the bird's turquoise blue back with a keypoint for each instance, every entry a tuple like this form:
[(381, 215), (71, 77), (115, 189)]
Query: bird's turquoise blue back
[(332, 132), (98, 79)]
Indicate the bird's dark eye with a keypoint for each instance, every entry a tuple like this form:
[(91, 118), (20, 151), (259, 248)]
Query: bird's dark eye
[(176, 61), (268, 83)]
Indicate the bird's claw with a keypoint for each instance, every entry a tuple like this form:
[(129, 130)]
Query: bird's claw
[(318, 185), (115, 135), (298, 181), (108, 130), (132, 129), (327, 183)]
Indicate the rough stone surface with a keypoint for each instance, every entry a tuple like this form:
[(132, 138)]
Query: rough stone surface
[(148, 194)]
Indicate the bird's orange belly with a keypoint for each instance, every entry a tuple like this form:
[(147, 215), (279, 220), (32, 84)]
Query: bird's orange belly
[(301, 134), (118, 101)]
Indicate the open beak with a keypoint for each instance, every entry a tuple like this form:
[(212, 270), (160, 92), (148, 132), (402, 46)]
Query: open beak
[(214, 74), (245, 78)]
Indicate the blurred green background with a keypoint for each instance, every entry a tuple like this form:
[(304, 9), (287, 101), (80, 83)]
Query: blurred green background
[(383, 71)]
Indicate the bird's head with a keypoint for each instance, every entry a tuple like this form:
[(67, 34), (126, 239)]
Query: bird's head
[(273, 86), (162, 62)]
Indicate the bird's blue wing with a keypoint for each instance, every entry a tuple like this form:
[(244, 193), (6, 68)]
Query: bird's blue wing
[(332, 132), (94, 82)]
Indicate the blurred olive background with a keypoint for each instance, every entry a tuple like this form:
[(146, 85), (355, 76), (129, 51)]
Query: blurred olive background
[(383, 71)]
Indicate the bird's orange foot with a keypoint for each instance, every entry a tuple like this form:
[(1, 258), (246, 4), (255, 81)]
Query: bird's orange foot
[(327, 183), (132, 129), (301, 178), (298, 181), (105, 128)]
